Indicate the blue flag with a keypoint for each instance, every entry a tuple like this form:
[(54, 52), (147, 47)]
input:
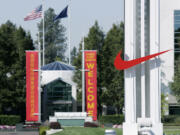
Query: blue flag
[(63, 14)]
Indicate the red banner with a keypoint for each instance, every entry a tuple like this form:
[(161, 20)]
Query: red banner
[(31, 86), (91, 83)]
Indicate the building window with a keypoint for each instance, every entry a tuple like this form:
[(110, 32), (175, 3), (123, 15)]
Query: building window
[(176, 34), (58, 90), (57, 97), (174, 110)]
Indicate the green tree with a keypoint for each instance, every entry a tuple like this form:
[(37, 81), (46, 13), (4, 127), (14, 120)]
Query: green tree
[(73, 54), (113, 80), (94, 41), (13, 43), (164, 104), (55, 40), (110, 82), (175, 85)]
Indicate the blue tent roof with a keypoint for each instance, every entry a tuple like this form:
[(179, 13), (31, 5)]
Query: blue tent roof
[(57, 66)]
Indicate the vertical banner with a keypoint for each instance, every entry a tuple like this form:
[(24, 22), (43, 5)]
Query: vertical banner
[(91, 83), (32, 86)]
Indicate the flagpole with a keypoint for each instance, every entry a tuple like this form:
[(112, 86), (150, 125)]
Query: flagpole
[(43, 36), (69, 39), (83, 79), (39, 78)]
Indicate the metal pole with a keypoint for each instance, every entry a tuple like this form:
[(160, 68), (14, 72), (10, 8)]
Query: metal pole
[(83, 79), (39, 78), (43, 36), (69, 39)]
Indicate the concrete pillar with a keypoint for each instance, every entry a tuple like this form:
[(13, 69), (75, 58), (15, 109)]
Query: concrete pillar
[(142, 82), (155, 93), (130, 126)]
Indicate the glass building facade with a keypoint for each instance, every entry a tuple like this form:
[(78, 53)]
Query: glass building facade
[(176, 33), (57, 97), (174, 108)]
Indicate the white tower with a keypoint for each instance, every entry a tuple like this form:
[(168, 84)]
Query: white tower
[(142, 82)]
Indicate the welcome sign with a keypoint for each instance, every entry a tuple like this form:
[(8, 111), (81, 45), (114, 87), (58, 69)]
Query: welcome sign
[(31, 85), (91, 83)]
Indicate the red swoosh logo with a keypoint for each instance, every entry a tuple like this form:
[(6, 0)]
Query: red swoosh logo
[(120, 64)]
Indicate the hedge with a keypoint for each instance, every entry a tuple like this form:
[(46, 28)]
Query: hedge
[(42, 130), (114, 119), (9, 120), (171, 120), (119, 119), (90, 124), (55, 125)]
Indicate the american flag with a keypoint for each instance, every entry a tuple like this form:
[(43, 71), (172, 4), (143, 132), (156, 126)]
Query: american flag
[(36, 13)]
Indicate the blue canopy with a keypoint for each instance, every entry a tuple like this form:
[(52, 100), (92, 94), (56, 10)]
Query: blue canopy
[(57, 66)]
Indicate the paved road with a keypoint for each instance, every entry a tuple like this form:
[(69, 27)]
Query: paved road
[(19, 133)]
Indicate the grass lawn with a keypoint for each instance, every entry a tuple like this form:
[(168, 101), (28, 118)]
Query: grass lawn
[(101, 131), (169, 130), (172, 132), (85, 131)]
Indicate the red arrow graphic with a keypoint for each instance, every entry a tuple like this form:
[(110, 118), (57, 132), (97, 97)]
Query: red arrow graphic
[(120, 64)]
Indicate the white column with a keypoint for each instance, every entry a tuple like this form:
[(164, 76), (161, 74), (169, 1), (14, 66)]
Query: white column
[(129, 126), (129, 55), (154, 68), (142, 55)]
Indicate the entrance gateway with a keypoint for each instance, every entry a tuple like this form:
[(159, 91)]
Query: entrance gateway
[(142, 82)]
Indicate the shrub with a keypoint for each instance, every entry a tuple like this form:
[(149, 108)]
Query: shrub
[(171, 120), (9, 119), (42, 130), (177, 120), (90, 124), (114, 119), (55, 125)]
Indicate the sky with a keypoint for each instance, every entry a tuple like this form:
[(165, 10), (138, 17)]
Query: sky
[(83, 14)]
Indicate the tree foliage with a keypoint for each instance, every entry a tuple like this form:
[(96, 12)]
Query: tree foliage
[(164, 105), (110, 83), (13, 43), (94, 41), (55, 40), (175, 85), (113, 80), (73, 54)]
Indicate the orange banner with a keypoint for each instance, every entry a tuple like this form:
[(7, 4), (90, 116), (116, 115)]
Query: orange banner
[(31, 86), (91, 83)]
